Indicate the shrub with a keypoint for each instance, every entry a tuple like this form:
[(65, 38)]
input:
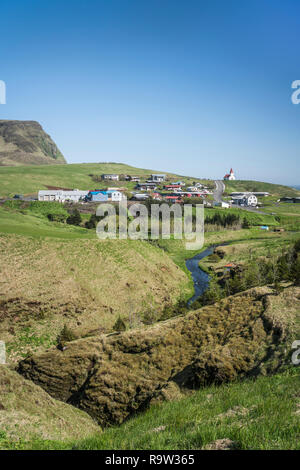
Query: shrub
[(245, 223), (119, 325), (74, 218), (214, 258), (92, 223), (65, 336), (57, 217)]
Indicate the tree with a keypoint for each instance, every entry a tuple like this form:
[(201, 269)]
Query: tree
[(213, 293), (74, 218), (295, 272), (92, 223), (245, 223), (65, 336), (283, 268)]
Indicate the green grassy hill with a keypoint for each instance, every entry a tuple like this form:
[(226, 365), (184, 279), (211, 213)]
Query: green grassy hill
[(55, 273), (29, 179), (255, 414), (275, 190), (28, 412)]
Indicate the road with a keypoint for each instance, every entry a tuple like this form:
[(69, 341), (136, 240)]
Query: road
[(220, 188)]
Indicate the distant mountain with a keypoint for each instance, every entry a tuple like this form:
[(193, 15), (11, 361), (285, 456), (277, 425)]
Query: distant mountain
[(296, 187), (26, 143)]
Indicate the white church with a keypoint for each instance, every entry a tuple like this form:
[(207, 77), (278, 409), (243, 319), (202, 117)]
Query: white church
[(229, 176)]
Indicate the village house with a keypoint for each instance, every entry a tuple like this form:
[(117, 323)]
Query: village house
[(61, 195), (111, 177), (247, 199), (146, 186), (141, 196), (158, 178), (223, 204), (136, 179), (156, 196), (256, 193), (171, 187), (173, 199), (292, 200), (104, 196)]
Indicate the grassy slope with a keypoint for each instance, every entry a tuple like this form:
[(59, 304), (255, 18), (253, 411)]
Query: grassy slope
[(264, 417), (274, 189), (29, 179), (28, 412), (254, 414), (55, 273)]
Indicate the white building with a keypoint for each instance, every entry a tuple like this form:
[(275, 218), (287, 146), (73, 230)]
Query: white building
[(251, 200), (112, 195), (115, 196), (229, 176), (158, 178), (247, 199), (111, 177), (61, 196), (223, 204)]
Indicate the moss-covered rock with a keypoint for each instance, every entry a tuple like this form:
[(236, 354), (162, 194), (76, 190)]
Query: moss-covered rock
[(110, 377)]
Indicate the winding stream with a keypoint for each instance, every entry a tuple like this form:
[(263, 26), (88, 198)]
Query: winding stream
[(200, 278)]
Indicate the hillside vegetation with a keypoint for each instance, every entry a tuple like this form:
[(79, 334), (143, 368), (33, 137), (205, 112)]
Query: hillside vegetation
[(87, 284), (261, 413), (26, 143), (275, 190), (28, 412), (104, 326), (29, 179), (112, 377)]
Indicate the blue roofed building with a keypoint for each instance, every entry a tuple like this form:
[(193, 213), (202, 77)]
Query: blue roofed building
[(104, 196)]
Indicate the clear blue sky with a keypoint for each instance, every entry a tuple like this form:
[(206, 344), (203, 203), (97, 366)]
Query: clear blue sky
[(193, 87)]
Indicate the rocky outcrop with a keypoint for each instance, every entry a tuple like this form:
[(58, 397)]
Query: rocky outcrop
[(26, 143), (110, 377)]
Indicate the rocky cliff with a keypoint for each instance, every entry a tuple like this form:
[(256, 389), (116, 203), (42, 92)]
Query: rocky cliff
[(26, 143)]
